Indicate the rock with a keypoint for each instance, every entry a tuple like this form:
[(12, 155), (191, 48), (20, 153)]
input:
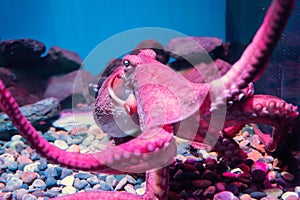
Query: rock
[(68, 181), (21, 53), (30, 167), (38, 193), (257, 195), (61, 144), (254, 155), (51, 193), (60, 61), (68, 190), (83, 175), (13, 166), (29, 177), (192, 47), (223, 195), (232, 188), (105, 186), (80, 184), (121, 184), (210, 191), (72, 86), (42, 166), (245, 197), (87, 141), (202, 183), (51, 172), (93, 180), (274, 192), (26, 88), (129, 188), (65, 172), (35, 113), (51, 182), (140, 191), (161, 55), (289, 196), (29, 197), (287, 176), (18, 194), (110, 180), (38, 183), (220, 186), (271, 176)]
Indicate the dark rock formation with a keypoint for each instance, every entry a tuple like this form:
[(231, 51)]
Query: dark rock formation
[(40, 111)]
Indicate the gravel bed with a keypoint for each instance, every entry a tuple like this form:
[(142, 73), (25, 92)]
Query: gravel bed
[(196, 173)]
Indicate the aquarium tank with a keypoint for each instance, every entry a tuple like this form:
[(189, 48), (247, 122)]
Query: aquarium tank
[(143, 100)]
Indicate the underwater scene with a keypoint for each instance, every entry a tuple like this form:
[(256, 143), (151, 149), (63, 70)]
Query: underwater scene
[(126, 100)]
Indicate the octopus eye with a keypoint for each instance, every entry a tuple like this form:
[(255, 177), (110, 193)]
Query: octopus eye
[(126, 63)]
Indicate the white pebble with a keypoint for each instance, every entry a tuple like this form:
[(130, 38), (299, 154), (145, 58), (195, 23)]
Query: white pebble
[(68, 190), (289, 194), (61, 144), (68, 181)]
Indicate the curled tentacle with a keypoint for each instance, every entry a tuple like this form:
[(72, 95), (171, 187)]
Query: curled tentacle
[(255, 58), (268, 110)]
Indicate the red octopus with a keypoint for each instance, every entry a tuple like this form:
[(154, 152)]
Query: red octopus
[(138, 89)]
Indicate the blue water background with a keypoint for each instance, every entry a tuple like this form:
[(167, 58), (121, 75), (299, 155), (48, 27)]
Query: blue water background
[(80, 25)]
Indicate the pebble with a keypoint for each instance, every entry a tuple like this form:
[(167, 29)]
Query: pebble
[(68, 181), (201, 183), (80, 184), (111, 180), (224, 195), (38, 193), (18, 194), (24, 159), (93, 180), (105, 186), (51, 193), (51, 172), (121, 184), (28, 197), (130, 179), (28, 177), (65, 172), (14, 181), (274, 192), (271, 176), (220, 186), (51, 182), (257, 195), (129, 188), (82, 175), (13, 166), (38, 183), (287, 176), (245, 197), (140, 191), (31, 167), (232, 188), (74, 148), (297, 190), (68, 190), (42, 166), (87, 141), (61, 144), (209, 191), (289, 196)]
